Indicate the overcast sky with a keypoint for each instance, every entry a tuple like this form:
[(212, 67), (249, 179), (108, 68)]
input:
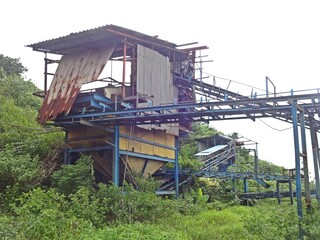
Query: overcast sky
[(247, 40)]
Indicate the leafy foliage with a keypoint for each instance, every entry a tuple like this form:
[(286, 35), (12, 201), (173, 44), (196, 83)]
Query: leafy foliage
[(188, 148), (20, 91), (18, 173), (245, 163), (23, 147), (70, 178), (76, 208), (10, 66)]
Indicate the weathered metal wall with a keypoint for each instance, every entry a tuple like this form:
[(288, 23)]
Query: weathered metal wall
[(87, 137), (154, 78), (73, 71), (151, 135)]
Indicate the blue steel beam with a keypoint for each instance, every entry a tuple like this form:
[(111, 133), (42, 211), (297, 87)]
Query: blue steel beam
[(89, 149), (230, 175), (253, 104), (305, 160), (315, 152), (116, 157), (297, 161), (146, 141), (245, 185), (66, 156), (279, 112), (297, 156), (146, 156)]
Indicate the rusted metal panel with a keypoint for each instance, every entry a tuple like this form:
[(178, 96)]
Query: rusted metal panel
[(73, 71), (154, 78)]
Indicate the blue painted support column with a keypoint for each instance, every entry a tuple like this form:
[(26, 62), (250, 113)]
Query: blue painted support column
[(305, 161), (176, 168), (315, 152), (245, 185), (291, 192), (116, 156), (294, 112), (66, 156), (233, 184)]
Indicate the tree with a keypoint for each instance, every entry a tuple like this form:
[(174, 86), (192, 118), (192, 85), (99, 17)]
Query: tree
[(10, 66), (188, 146)]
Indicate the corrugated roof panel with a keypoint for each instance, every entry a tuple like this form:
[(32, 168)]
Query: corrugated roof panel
[(73, 71), (93, 38), (211, 150)]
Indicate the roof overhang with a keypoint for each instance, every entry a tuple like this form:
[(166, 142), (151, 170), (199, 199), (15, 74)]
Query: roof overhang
[(105, 36)]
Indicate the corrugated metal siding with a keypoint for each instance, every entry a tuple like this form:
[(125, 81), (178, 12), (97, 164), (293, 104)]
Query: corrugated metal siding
[(73, 71), (154, 78)]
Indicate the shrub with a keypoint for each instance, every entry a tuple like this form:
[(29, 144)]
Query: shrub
[(70, 178)]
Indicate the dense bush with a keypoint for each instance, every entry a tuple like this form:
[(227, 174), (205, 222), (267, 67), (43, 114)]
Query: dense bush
[(70, 178)]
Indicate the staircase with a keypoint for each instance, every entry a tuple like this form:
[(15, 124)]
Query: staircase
[(217, 156)]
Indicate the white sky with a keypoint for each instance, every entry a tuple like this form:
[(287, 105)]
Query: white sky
[(248, 40)]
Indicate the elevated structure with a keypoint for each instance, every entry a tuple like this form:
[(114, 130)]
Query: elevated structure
[(216, 152), (117, 150), (134, 123)]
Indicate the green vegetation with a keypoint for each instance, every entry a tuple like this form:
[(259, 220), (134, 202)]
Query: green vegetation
[(41, 199)]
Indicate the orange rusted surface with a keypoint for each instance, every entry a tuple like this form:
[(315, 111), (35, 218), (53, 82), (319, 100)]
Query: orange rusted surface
[(73, 71)]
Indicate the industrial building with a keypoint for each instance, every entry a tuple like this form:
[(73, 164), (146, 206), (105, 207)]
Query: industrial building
[(132, 123)]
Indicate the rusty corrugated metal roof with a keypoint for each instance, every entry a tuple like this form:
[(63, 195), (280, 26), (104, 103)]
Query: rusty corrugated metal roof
[(73, 70), (93, 38)]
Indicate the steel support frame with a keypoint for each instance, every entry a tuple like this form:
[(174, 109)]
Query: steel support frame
[(315, 152), (88, 149), (297, 163), (245, 185), (176, 167), (290, 190), (305, 161), (146, 156)]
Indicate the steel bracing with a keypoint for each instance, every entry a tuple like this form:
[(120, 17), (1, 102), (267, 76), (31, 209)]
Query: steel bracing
[(301, 110)]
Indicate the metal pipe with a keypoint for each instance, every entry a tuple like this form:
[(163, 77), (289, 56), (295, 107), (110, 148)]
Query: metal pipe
[(305, 161)]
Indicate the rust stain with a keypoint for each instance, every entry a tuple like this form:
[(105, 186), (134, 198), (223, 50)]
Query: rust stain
[(73, 71)]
